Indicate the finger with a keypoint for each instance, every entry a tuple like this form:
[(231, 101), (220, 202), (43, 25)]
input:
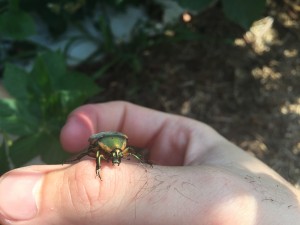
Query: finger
[(128, 194), (172, 140), (113, 116)]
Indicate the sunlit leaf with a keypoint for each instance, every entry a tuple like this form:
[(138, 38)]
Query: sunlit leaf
[(15, 117), (7, 107)]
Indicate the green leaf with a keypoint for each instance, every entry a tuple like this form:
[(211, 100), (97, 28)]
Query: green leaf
[(25, 149), (197, 5), (56, 90), (244, 12), (52, 92), (55, 65), (15, 81), (7, 107), (47, 145), (48, 72), (15, 117), (54, 153), (70, 100), (4, 163), (16, 24), (51, 75), (108, 42), (40, 85), (14, 4), (14, 125), (29, 115), (79, 82)]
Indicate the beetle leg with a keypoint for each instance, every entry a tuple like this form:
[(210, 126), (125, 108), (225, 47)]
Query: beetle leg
[(98, 163), (131, 152), (89, 152), (80, 156)]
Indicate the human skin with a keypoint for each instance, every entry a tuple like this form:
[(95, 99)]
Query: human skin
[(198, 177)]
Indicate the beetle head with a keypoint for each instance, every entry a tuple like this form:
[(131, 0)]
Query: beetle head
[(116, 156)]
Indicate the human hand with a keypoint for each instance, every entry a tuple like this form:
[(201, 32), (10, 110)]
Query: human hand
[(199, 177)]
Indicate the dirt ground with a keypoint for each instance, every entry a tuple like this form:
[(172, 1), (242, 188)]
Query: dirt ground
[(245, 85)]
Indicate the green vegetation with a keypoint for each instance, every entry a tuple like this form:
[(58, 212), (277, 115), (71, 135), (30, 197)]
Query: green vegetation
[(41, 101)]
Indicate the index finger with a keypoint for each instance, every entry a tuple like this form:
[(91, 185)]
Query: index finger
[(166, 136)]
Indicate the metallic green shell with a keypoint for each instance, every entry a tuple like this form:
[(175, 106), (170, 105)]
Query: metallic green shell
[(109, 141)]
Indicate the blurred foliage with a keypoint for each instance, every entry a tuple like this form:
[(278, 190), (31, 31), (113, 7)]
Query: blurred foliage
[(4, 163), (14, 22), (43, 97), (245, 12)]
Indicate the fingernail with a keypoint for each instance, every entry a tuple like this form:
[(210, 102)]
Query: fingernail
[(18, 193)]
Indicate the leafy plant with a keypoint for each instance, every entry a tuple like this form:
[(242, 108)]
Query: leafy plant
[(121, 53), (42, 100)]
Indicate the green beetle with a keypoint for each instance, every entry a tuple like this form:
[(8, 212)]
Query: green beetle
[(108, 145)]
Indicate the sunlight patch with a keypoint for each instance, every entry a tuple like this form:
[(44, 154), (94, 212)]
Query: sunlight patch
[(288, 108)]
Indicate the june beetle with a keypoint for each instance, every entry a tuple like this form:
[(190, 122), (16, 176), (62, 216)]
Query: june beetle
[(110, 146)]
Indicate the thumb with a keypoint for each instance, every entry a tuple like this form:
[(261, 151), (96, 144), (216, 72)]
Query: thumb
[(128, 194), (72, 194), (69, 194)]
